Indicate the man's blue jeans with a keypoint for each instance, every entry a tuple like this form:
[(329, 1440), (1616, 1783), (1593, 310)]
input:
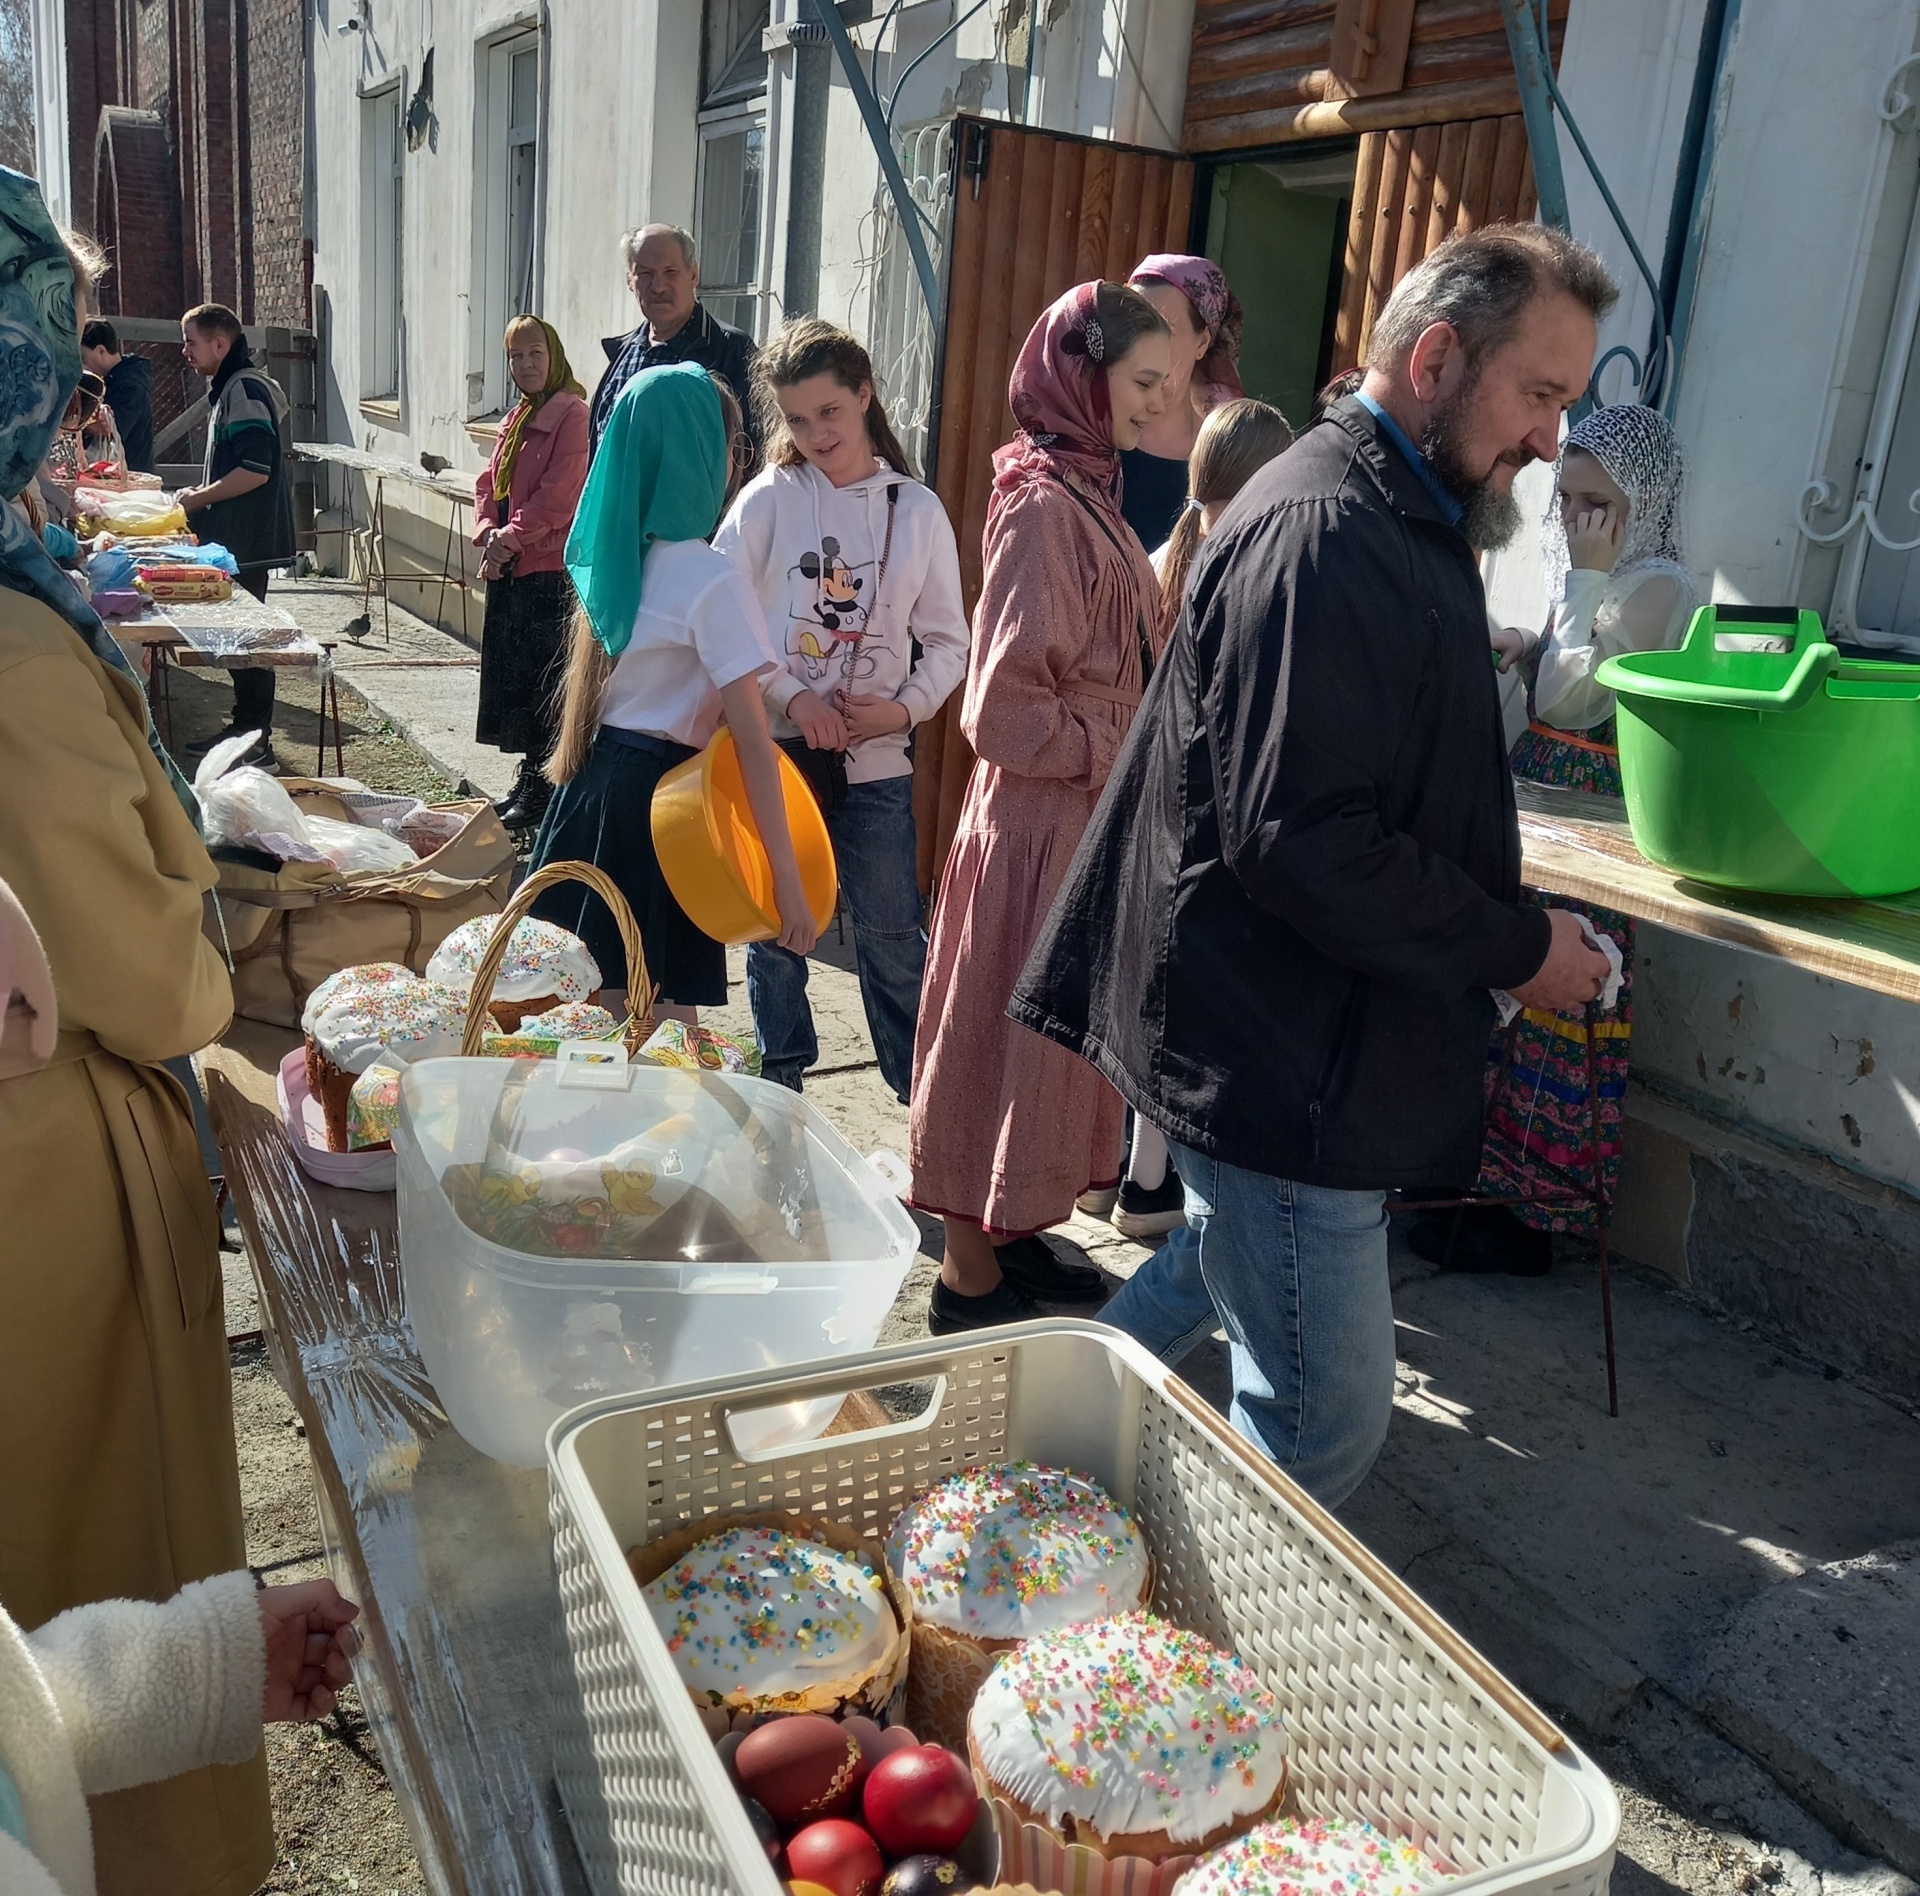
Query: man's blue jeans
[(1296, 1275), (873, 847)]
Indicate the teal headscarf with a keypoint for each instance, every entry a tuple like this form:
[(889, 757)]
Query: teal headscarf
[(39, 370), (659, 473)]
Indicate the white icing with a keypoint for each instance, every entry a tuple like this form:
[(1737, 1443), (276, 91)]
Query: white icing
[(1130, 1725), (1008, 1551), (363, 979), (397, 1022), (755, 1612), (1314, 1856), (541, 960)]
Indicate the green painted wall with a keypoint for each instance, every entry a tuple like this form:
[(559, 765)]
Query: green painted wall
[(1277, 247)]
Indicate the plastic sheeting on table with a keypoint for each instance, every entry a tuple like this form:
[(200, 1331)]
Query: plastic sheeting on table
[(448, 1552)]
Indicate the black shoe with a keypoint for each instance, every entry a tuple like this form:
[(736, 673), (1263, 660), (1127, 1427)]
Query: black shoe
[(1151, 1214), (260, 752), (949, 1313), (1480, 1241), (527, 801), (1041, 1272)]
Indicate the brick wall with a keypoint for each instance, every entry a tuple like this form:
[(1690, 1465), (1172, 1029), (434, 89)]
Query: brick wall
[(136, 215), (273, 62), (153, 60)]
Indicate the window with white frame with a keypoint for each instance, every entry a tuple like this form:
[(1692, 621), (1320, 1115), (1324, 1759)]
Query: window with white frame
[(382, 197), (508, 210), (733, 149)]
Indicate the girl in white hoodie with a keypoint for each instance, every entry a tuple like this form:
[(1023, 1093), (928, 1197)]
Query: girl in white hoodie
[(855, 565)]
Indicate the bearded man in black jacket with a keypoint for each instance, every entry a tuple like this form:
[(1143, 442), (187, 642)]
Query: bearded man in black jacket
[(1279, 936)]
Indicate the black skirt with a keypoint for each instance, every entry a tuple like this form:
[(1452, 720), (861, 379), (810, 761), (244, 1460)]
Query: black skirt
[(604, 815), (523, 658)]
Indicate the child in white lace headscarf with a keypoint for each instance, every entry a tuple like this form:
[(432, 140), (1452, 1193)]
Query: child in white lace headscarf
[(1615, 570)]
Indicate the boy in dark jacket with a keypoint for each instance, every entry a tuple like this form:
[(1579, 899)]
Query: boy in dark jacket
[(1280, 932), (129, 380)]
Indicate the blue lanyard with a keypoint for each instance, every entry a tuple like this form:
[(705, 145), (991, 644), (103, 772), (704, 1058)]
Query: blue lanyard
[(1450, 509)]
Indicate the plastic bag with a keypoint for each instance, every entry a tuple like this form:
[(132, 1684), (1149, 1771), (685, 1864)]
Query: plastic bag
[(247, 806), (135, 515), (354, 849), (111, 570), (211, 553)]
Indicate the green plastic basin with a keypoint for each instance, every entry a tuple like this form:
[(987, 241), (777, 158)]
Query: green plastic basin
[(1756, 757)]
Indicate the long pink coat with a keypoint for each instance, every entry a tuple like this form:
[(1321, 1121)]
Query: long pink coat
[(1008, 1128)]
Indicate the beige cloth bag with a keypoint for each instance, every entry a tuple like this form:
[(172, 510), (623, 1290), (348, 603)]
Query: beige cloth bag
[(288, 929)]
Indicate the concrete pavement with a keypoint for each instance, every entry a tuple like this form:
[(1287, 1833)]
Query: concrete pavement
[(1665, 1582)]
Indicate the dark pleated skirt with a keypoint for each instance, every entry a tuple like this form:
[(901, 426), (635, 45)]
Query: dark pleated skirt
[(523, 658), (603, 815)]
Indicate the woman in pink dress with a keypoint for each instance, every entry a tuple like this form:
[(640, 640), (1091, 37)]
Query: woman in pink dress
[(1008, 1128)]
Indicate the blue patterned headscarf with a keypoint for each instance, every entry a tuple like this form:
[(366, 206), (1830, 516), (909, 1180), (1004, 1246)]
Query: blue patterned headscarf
[(39, 370)]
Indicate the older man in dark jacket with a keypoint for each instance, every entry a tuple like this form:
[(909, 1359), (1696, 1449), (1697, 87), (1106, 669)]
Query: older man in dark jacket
[(1280, 933)]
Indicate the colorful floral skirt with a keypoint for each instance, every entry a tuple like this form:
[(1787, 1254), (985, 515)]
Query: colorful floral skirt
[(1543, 1070)]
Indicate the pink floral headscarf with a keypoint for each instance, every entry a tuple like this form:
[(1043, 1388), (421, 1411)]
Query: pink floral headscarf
[(1063, 413), (1204, 284)]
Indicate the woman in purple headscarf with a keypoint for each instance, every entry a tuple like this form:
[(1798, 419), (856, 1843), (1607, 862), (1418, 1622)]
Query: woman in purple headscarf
[(1191, 294)]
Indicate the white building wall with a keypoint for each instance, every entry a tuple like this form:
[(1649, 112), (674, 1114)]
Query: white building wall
[(617, 149)]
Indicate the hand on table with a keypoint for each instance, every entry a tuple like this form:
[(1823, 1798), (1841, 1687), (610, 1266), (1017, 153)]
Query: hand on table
[(309, 1642), (1572, 974)]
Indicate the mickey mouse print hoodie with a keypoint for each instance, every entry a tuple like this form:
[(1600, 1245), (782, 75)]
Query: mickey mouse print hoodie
[(845, 606)]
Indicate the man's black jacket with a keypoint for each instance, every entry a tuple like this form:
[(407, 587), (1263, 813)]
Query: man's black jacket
[(703, 338), (1279, 933)]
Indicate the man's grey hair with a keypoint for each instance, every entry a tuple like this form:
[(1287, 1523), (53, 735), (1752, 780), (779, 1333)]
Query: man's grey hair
[(1481, 283), (631, 242)]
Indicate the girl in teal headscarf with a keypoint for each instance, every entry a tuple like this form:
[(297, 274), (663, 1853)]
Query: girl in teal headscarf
[(669, 642)]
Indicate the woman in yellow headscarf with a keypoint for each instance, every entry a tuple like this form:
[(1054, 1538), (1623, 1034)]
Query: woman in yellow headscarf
[(523, 508)]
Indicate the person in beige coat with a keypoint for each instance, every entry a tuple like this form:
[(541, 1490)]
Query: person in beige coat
[(118, 1474)]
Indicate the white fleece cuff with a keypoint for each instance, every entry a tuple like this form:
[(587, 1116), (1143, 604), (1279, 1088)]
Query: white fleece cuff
[(146, 1691)]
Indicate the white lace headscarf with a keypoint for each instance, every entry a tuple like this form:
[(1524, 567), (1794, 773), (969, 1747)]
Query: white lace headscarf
[(1638, 448)]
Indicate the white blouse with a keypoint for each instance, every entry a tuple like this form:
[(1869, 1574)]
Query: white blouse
[(1598, 618)]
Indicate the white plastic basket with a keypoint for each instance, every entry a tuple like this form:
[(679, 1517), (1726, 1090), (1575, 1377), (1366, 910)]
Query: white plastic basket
[(1392, 1716)]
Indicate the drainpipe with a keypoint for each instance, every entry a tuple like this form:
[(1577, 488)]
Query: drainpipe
[(909, 213), (1687, 224), (1536, 107)]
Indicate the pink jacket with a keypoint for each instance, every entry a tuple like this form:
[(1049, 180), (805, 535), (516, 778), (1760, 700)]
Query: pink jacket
[(547, 479)]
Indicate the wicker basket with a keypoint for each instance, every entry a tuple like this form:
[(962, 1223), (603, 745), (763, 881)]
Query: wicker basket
[(1392, 1716), (639, 1026)]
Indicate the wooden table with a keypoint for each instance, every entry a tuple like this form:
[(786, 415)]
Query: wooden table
[(448, 1552), (379, 469), (1579, 846)]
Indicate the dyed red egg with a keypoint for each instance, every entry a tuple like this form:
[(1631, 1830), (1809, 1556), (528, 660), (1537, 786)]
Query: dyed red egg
[(837, 1855), (724, 1747), (764, 1828), (919, 1800), (799, 1768)]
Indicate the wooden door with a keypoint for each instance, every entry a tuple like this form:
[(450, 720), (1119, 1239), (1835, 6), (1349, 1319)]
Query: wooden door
[(1411, 188), (1034, 213)]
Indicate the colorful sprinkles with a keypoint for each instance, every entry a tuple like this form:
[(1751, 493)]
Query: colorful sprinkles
[(1320, 1856), (1013, 1533), (737, 1608), (1132, 1724)]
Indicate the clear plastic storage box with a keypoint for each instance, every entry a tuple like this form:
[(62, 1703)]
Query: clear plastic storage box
[(1391, 1715), (568, 1233)]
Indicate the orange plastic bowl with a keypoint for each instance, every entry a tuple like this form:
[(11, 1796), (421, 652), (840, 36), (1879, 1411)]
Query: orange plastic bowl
[(711, 854)]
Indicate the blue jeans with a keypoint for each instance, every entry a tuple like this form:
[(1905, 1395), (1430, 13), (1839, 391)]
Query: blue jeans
[(873, 849), (1297, 1277)]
